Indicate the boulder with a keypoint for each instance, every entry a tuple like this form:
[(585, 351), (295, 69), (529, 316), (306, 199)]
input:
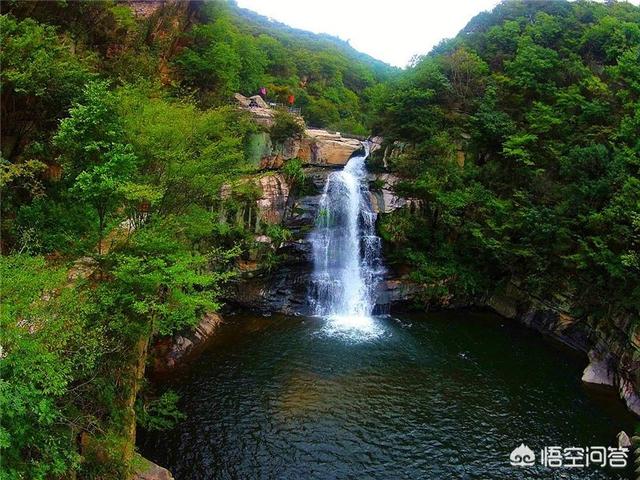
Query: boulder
[(258, 108), (263, 239), (623, 440), (170, 352), (327, 148), (598, 371), (151, 471), (375, 143)]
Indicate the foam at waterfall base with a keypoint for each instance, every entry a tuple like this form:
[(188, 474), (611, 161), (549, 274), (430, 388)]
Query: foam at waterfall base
[(355, 328)]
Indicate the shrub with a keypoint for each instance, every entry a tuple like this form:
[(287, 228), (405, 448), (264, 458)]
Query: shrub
[(285, 126)]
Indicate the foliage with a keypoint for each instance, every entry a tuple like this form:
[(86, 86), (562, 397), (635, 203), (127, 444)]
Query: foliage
[(294, 173), (161, 413), (285, 126), (278, 233), (517, 141), (540, 99), (236, 50), (43, 383)]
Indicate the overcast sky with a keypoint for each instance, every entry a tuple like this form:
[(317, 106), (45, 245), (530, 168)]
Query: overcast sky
[(391, 30)]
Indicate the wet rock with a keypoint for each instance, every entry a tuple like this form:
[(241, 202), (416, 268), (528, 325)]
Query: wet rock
[(171, 352), (284, 290), (151, 471), (395, 292), (598, 371), (623, 440)]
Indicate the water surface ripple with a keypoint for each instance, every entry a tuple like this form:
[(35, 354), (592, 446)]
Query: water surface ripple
[(443, 396)]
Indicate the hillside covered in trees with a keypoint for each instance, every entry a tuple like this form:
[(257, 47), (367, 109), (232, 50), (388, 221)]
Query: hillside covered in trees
[(521, 139), (118, 134)]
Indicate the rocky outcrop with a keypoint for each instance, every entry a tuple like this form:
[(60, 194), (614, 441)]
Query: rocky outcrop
[(393, 292), (629, 393), (283, 287), (171, 352), (314, 148), (145, 8), (321, 147), (151, 471), (383, 196), (275, 195), (623, 440), (613, 360), (260, 110), (599, 371)]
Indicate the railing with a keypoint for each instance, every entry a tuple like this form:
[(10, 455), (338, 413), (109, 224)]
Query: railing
[(294, 110)]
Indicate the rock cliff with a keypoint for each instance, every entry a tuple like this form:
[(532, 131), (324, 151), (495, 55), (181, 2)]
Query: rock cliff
[(314, 147), (171, 352), (613, 359)]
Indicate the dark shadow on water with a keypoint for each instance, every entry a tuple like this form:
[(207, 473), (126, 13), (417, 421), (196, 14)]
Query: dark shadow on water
[(444, 395)]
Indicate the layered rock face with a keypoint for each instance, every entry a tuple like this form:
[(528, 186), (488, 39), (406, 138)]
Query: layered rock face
[(283, 288), (275, 195), (325, 148), (613, 359), (172, 352)]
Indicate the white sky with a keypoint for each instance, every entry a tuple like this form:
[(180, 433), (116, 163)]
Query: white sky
[(392, 31)]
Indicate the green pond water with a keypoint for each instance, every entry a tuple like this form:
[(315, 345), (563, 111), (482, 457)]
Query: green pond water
[(431, 396)]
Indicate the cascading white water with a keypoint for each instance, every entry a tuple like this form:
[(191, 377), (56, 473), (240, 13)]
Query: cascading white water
[(346, 250)]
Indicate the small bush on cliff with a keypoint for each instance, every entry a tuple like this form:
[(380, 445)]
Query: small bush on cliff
[(285, 126), (294, 173), (161, 413)]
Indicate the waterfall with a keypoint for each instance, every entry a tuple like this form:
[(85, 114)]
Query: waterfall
[(346, 250)]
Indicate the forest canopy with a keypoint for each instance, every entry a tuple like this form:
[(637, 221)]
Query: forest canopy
[(128, 200), (521, 139)]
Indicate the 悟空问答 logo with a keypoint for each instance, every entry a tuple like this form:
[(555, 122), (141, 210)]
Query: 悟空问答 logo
[(522, 456)]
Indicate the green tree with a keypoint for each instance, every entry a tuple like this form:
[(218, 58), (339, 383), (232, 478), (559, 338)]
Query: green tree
[(98, 164)]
